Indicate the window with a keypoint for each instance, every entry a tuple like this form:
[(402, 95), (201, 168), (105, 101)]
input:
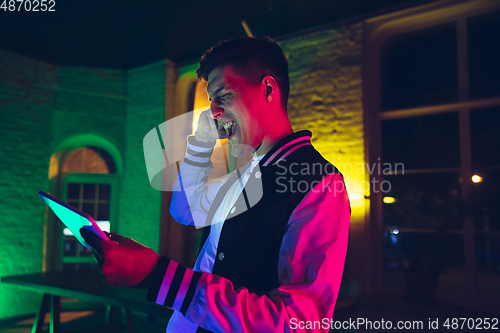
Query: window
[(90, 185), (420, 68), (437, 104), (89, 160)]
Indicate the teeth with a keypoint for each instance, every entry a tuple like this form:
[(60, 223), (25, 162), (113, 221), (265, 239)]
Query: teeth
[(227, 126)]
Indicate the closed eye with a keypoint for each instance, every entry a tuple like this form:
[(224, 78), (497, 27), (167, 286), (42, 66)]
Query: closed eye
[(220, 99)]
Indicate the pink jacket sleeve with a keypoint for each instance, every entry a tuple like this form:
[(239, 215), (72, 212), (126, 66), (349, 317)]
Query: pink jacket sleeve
[(311, 263)]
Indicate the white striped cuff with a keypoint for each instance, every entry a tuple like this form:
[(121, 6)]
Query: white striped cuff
[(173, 285)]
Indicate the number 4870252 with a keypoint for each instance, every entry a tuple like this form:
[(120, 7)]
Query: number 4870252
[(28, 5)]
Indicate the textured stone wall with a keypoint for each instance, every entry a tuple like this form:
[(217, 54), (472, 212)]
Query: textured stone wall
[(88, 108), (90, 101), (140, 204), (41, 106), (325, 90), (326, 98), (25, 134)]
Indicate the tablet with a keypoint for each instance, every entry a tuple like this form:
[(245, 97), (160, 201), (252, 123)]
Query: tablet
[(73, 218)]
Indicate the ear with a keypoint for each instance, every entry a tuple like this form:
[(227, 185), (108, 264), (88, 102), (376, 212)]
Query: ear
[(269, 87)]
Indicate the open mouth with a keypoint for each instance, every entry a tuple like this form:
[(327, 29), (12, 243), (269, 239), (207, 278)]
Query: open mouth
[(230, 128)]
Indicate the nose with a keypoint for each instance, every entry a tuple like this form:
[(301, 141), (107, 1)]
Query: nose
[(217, 111)]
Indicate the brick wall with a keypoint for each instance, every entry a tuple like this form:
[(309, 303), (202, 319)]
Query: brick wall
[(325, 90), (41, 107), (326, 98), (25, 133), (140, 204), (90, 101)]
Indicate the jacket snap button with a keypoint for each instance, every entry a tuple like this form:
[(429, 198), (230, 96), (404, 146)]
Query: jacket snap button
[(221, 255), (258, 174), (233, 209)]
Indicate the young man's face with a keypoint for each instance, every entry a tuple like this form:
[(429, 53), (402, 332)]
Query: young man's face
[(238, 107)]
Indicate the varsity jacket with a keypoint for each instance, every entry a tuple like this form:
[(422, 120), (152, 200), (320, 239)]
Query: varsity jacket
[(281, 250)]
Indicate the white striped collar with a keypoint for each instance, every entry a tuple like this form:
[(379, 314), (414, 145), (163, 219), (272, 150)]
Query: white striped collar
[(286, 146)]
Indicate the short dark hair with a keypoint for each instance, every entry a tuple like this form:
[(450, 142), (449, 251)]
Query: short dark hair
[(252, 58)]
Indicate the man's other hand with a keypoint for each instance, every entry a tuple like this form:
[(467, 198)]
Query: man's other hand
[(123, 262)]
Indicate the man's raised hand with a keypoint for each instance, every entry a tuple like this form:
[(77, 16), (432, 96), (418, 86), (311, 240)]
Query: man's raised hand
[(207, 130)]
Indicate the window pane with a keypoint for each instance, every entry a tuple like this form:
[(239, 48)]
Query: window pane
[(423, 239), (97, 207), (73, 191), (103, 212), (484, 202), (109, 164), (488, 264), (70, 245), (419, 68), (423, 201), (88, 208), (83, 251), (485, 137), (88, 191), (484, 54), (104, 191), (424, 264), (422, 142), (89, 160)]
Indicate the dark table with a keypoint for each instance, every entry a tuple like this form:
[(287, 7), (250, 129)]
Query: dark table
[(85, 285)]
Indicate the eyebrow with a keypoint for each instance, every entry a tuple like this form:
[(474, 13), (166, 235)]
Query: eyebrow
[(217, 92)]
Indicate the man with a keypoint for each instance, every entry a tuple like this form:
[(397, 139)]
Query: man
[(274, 247)]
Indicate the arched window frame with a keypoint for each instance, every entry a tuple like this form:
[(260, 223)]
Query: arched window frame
[(53, 240)]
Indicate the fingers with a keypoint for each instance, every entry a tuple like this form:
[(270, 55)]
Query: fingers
[(95, 242), (124, 240), (98, 257), (216, 131), (126, 262), (120, 239), (208, 123), (204, 121), (207, 127)]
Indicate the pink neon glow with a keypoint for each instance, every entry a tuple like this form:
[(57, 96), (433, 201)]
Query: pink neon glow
[(165, 284), (292, 150), (183, 289), (310, 271), (284, 147)]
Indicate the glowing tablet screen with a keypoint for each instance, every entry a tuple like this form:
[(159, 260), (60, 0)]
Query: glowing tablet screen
[(73, 218)]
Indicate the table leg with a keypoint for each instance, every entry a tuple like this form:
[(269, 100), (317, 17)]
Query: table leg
[(55, 314), (110, 318), (40, 315), (128, 319)]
